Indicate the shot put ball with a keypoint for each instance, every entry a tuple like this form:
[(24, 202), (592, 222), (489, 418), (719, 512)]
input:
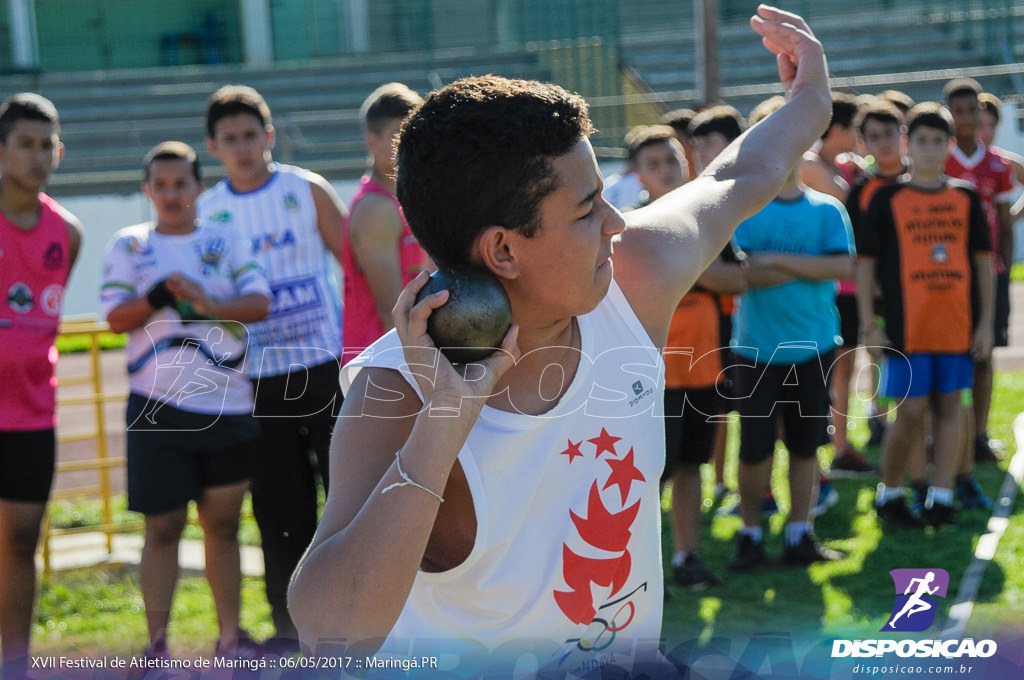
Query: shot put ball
[(475, 318)]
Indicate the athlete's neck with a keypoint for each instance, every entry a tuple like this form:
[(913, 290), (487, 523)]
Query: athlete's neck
[(383, 178), (968, 145), (19, 205), (928, 179), (176, 228), (892, 170), (244, 185), (530, 387)]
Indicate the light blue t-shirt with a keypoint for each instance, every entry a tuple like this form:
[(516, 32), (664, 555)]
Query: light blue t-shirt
[(793, 322)]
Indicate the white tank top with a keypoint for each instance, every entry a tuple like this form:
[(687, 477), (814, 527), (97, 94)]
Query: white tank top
[(567, 559), (279, 221)]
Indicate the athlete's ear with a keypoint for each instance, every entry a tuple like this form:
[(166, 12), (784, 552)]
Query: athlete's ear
[(211, 146), (271, 136), (495, 249)]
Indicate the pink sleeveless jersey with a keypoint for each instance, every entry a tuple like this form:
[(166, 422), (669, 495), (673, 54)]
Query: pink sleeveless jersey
[(361, 324), (33, 271)]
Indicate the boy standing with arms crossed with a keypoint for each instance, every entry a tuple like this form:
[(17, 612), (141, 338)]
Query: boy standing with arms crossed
[(292, 219), (39, 242), (926, 242), (785, 332)]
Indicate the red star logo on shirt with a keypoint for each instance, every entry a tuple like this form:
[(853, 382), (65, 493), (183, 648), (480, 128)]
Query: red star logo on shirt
[(605, 442), (624, 472), (573, 450)]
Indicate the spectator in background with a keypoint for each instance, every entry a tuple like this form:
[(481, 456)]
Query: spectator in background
[(880, 127), (182, 291), (938, 293), (992, 177), (828, 168), (39, 243), (623, 188), (293, 220), (901, 100), (785, 331), (379, 253), (693, 368), (679, 120)]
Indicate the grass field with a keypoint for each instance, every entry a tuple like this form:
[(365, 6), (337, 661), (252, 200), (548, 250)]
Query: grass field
[(100, 610)]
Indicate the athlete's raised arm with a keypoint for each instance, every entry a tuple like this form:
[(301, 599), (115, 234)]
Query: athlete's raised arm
[(667, 245)]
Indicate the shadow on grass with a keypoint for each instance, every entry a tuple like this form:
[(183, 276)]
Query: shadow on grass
[(849, 599)]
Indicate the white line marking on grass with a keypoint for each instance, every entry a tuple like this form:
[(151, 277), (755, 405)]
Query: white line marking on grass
[(960, 612)]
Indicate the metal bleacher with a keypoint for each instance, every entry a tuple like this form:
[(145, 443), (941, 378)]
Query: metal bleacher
[(871, 46), (109, 119)]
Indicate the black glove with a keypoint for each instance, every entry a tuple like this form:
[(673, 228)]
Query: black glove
[(159, 296)]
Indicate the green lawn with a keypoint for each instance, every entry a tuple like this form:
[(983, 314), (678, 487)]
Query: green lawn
[(852, 598), (101, 609)]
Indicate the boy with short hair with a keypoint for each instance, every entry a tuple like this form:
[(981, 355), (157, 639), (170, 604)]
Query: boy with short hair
[(926, 243), (39, 242), (992, 178), (660, 161), (182, 291), (693, 368), (880, 129), (293, 220), (828, 167), (379, 253), (680, 120), (712, 130), (523, 502), (785, 330)]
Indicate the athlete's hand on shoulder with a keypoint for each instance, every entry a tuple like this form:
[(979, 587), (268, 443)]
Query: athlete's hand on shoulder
[(444, 386)]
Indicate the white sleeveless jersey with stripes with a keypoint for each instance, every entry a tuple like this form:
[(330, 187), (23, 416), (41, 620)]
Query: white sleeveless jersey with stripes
[(279, 221)]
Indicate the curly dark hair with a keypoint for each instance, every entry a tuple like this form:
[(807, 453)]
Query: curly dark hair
[(478, 153)]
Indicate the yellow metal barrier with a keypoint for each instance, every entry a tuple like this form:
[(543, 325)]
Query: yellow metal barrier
[(90, 328)]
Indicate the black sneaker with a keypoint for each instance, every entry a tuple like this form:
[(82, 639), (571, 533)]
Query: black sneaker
[(693, 573), (970, 495), (748, 553), (810, 550), (938, 514), (918, 495), (851, 464), (984, 452), (876, 426), (895, 513)]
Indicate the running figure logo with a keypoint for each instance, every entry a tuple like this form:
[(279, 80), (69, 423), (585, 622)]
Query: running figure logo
[(914, 610)]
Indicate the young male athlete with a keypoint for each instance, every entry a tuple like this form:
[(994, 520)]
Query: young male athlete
[(380, 254), (39, 242), (293, 220), (785, 330), (926, 243), (693, 367), (829, 169), (992, 177), (182, 292), (521, 512), (880, 128)]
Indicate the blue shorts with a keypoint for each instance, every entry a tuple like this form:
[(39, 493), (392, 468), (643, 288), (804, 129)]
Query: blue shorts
[(918, 375)]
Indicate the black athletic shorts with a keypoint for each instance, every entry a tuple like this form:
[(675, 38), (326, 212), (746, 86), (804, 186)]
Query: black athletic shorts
[(1001, 337), (795, 393), (173, 455), (27, 459), (690, 426), (849, 319)]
